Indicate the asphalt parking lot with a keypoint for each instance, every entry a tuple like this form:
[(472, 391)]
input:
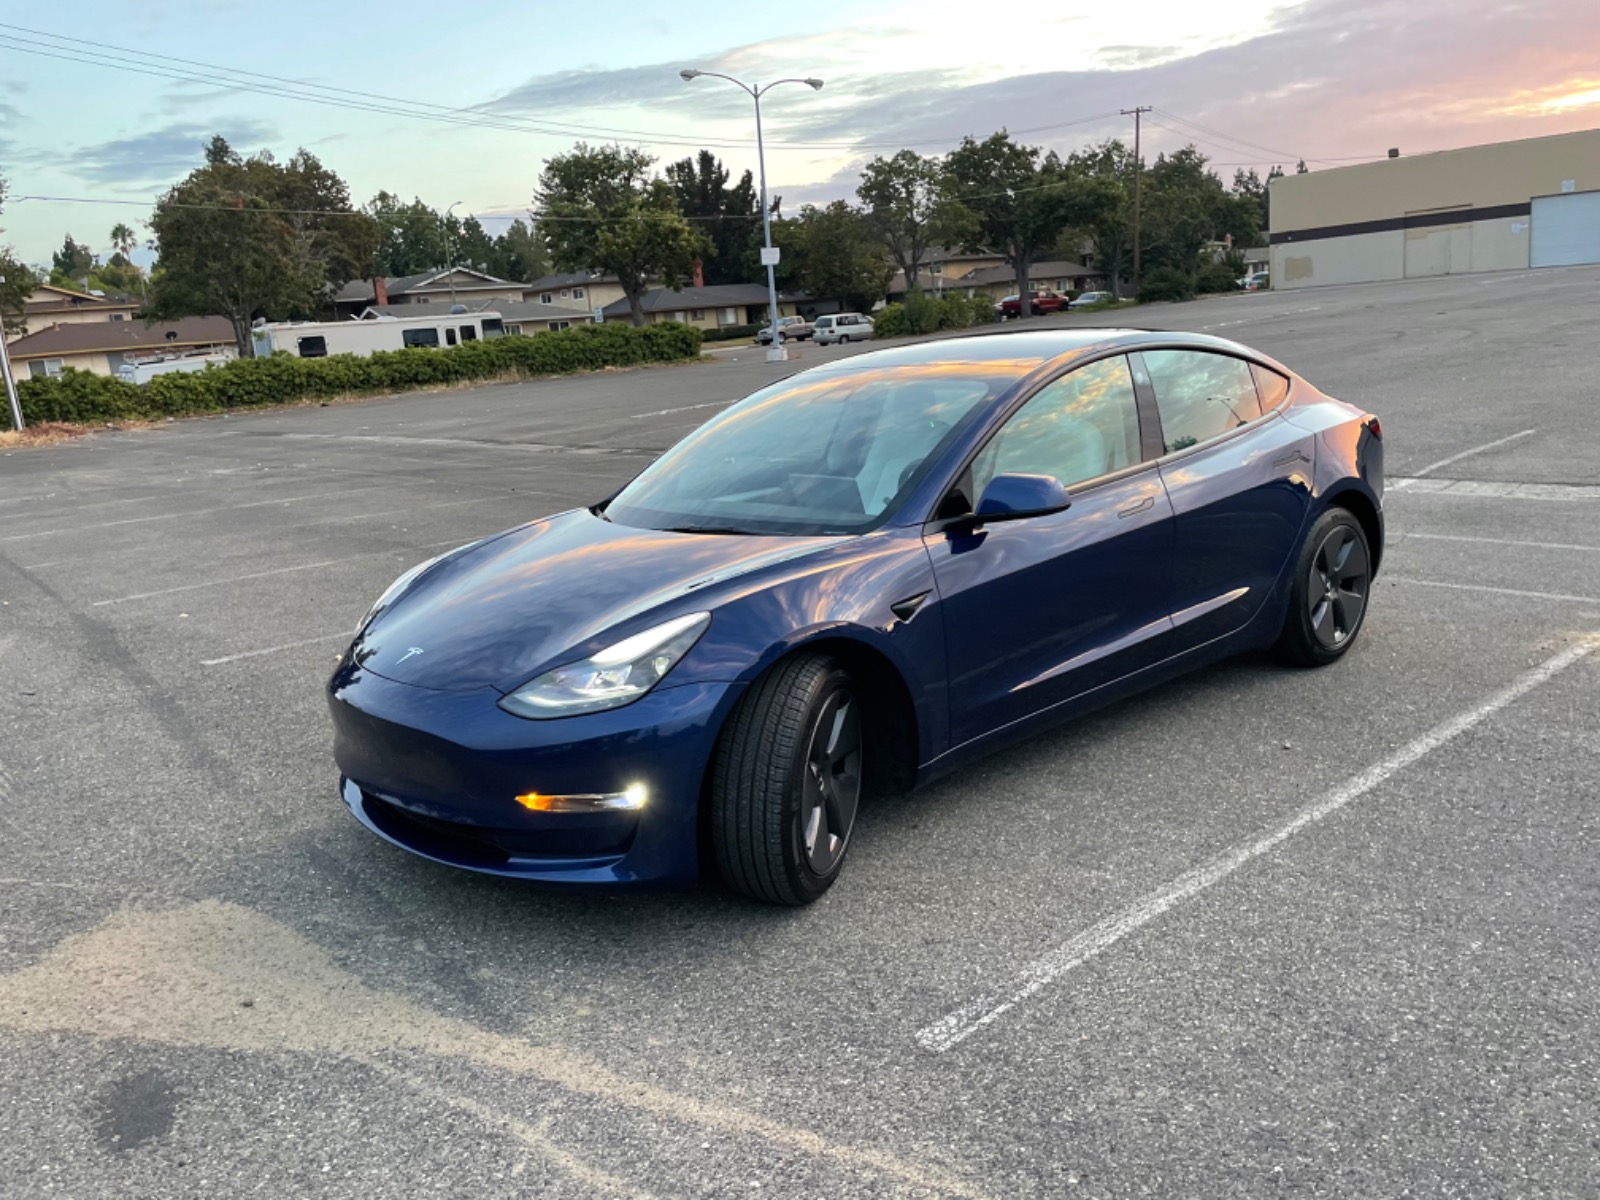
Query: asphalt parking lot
[(1260, 932)]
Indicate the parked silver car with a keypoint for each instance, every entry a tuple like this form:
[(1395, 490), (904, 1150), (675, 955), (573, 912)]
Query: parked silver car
[(841, 328)]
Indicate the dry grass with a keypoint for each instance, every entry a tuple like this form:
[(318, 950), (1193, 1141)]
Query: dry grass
[(46, 433)]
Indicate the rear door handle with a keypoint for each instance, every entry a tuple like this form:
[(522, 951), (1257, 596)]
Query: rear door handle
[(1140, 506)]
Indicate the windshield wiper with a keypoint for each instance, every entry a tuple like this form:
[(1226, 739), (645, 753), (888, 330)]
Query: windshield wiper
[(701, 529)]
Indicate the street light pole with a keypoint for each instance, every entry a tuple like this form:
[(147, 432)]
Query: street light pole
[(449, 266), (777, 352)]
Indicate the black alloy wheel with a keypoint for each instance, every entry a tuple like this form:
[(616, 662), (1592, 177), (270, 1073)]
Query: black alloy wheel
[(1328, 601), (786, 782)]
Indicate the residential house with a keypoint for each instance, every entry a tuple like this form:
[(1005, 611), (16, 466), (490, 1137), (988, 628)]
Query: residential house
[(708, 307), (103, 347), (517, 316), (50, 305), (944, 270), (587, 290), (1060, 276), (459, 285)]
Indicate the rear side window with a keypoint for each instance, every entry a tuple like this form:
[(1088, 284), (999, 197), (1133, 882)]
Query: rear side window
[(1272, 386), (1200, 395), (1083, 425), (468, 334), (419, 337)]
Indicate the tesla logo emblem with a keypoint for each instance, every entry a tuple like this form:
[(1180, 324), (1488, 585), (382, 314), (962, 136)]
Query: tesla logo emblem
[(411, 653)]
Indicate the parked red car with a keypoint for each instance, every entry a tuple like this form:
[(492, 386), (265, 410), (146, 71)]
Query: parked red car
[(1038, 302)]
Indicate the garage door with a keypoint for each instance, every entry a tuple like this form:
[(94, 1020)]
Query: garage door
[(1566, 230)]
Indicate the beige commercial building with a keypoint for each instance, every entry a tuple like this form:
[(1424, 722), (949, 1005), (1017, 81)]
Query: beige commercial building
[(1504, 206)]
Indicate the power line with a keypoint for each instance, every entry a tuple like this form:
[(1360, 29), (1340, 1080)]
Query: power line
[(104, 54)]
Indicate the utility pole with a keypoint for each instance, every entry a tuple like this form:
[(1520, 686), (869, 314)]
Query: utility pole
[(10, 384), (1138, 179)]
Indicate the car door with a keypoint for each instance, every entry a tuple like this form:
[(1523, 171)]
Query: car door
[(1041, 609), (1240, 486)]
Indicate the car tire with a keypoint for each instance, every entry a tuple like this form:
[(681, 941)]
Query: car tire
[(786, 782), (844, 340), (1328, 597)]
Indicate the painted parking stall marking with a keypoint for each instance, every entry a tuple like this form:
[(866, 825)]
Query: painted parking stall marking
[(950, 1031)]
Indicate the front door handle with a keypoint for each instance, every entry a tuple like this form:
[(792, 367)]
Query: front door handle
[(1134, 509), (1294, 456)]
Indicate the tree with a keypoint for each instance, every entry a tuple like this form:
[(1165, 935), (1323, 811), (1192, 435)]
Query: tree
[(831, 254), (72, 263), (902, 195), (249, 237), (520, 253), (1186, 206), (16, 283), (471, 246), (602, 208), (1107, 221), (410, 236), (1003, 197), (729, 216), (123, 239)]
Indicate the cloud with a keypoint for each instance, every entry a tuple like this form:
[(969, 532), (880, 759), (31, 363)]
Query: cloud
[(161, 155)]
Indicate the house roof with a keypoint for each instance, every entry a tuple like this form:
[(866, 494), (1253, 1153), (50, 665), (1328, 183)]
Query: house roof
[(509, 310), (57, 299), (572, 279), (119, 337), (436, 280), (1006, 273), (720, 295)]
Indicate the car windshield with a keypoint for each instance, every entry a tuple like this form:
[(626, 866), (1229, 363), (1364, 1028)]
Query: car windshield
[(816, 454)]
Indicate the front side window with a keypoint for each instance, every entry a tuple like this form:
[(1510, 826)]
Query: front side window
[(468, 334), (1200, 395), (419, 337), (1079, 427), (314, 347), (829, 454), (449, 337)]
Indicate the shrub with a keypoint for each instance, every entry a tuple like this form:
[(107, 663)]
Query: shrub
[(1217, 277), (1165, 283), (730, 333), (923, 313), (81, 397), (890, 321)]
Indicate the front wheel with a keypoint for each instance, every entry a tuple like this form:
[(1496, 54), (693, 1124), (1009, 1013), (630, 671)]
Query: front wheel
[(1333, 576), (786, 782)]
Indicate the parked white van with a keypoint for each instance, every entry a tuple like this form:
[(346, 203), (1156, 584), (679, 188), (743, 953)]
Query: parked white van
[(842, 327)]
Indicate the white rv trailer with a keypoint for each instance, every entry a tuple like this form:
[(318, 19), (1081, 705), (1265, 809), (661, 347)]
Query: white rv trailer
[(363, 335)]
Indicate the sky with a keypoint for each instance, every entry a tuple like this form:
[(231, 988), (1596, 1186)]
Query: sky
[(463, 102)]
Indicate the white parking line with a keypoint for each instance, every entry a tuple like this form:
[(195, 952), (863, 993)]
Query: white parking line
[(1455, 458), (1494, 489), (327, 637), (330, 562), (967, 1020), (667, 412), (1293, 312), (1500, 591), (195, 512), (1462, 537)]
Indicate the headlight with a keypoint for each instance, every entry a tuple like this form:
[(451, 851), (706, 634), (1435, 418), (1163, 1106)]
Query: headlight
[(613, 677), (392, 592)]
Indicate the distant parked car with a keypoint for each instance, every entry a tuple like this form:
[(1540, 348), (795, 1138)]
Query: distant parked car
[(790, 329), (843, 327), (1259, 281), (1038, 303), (1085, 299)]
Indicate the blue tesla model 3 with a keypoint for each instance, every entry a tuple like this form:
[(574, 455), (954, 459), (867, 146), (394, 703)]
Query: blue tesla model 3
[(852, 581)]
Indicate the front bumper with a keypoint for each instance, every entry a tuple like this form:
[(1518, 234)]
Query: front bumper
[(437, 773)]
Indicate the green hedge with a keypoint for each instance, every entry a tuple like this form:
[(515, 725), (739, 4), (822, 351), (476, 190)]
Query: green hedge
[(80, 397), (922, 313), (730, 333), (1166, 283)]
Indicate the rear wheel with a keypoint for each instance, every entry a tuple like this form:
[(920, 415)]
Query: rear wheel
[(844, 339), (1333, 574), (787, 781)]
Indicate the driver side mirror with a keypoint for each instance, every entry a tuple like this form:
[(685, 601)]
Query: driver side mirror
[(1010, 497)]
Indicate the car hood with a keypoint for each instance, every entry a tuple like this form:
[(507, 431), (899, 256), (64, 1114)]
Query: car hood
[(494, 614)]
